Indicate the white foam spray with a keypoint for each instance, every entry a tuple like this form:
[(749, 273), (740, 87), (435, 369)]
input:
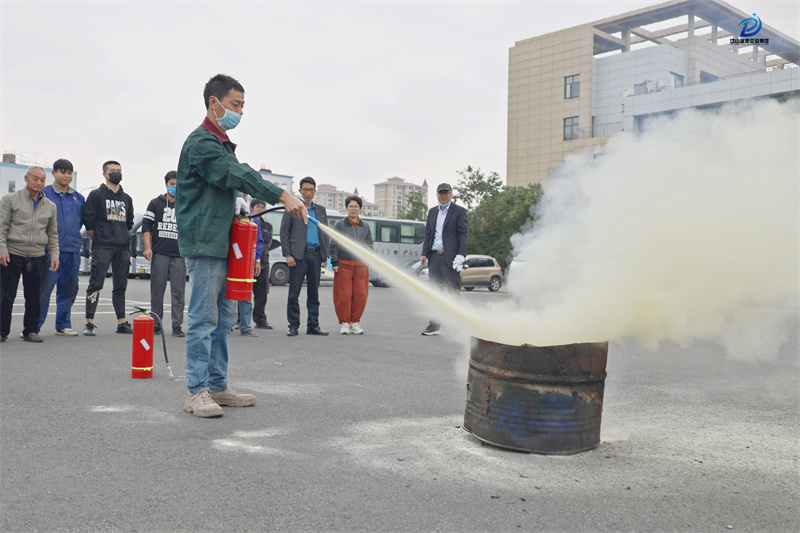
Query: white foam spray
[(690, 230), (676, 234)]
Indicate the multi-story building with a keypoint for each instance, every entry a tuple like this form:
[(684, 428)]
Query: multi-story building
[(331, 197), (12, 175), (368, 209), (392, 195), (281, 180), (570, 90)]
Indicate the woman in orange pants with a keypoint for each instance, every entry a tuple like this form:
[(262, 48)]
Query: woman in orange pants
[(351, 276)]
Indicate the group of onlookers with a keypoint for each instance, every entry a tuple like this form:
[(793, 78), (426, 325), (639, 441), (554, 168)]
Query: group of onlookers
[(40, 241)]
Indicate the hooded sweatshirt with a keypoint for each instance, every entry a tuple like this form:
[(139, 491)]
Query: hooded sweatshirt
[(110, 215)]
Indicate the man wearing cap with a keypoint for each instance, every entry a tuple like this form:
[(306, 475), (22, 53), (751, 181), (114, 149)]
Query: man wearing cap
[(444, 249)]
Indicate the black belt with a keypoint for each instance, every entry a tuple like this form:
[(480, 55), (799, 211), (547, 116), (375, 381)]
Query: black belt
[(310, 249), (440, 252)]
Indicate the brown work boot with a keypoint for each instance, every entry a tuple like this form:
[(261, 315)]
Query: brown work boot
[(232, 398), (201, 404)]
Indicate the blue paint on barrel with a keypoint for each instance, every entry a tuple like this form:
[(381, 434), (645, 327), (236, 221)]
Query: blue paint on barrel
[(536, 399)]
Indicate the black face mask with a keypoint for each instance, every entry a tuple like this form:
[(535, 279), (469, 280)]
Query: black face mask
[(115, 177)]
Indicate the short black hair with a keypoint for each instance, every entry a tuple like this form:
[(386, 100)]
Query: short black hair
[(107, 163), (353, 198), (169, 175), (62, 164), (255, 201), (219, 86), (308, 179)]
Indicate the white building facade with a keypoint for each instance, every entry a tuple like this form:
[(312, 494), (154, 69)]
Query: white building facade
[(571, 90)]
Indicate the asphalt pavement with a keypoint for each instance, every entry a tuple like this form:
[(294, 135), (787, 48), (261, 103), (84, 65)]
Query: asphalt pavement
[(363, 433)]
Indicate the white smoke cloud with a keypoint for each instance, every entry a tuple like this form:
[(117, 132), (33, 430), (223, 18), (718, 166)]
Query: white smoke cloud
[(676, 234)]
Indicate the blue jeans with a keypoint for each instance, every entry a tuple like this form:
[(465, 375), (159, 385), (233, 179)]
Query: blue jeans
[(211, 316), (245, 314), (66, 281)]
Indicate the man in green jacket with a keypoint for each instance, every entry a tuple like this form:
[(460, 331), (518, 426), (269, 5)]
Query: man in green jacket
[(208, 177)]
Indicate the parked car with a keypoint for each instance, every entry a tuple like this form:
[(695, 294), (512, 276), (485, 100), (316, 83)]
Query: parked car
[(481, 271), (477, 271)]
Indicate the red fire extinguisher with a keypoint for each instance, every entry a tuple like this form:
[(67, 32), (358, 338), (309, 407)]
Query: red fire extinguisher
[(241, 260), (142, 363)]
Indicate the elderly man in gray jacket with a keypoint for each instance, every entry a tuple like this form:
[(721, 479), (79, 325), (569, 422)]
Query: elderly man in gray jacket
[(28, 223)]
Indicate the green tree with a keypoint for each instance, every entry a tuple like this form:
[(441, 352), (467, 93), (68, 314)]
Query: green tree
[(474, 187), (416, 208), (498, 217)]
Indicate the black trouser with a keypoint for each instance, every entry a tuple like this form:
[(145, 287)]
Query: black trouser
[(260, 291), (309, 269), (441, 272), (120, 261), (33, 271)]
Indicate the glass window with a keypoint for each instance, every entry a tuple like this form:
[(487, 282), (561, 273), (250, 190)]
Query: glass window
[(571, 128), (677, 80), (12, 186), (707, 77), (388, 233), (412, 233), (373, 229), (572, 86)]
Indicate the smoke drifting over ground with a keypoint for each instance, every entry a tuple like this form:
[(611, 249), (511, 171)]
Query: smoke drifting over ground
[(687, 231)]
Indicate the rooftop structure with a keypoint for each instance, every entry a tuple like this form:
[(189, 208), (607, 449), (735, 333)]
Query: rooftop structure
[(570, 90)]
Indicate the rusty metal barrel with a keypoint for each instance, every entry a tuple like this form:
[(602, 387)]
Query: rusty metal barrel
[(539, 399)]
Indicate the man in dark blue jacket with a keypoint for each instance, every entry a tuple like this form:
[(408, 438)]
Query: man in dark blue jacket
[(69, 205), (445, 246)]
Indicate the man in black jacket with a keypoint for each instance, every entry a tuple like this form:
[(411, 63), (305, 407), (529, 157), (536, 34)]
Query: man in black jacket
[(261, 286), (160, 236), (445, 244), (305, 248), (108, 217)]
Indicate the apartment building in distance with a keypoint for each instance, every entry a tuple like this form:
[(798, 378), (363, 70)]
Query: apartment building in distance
[(392, 195), (333, 198), (571, 90)]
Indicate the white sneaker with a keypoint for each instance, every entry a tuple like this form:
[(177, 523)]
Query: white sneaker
[(67, 332), (356, 329), (345, 329)]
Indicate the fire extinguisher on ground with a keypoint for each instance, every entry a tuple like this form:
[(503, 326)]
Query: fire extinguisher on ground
[(142, 353)]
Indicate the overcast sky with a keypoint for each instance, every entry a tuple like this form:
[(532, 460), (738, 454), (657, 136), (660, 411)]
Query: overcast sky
[(349, 93)]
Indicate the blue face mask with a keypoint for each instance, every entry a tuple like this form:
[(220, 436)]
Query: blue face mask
[(171, 190), (229, 120), (443, 205)]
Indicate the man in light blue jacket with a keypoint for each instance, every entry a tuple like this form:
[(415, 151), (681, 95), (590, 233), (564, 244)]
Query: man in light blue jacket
[(69, 204)]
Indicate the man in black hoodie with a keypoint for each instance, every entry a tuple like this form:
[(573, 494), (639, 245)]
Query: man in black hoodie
[(108, 217)]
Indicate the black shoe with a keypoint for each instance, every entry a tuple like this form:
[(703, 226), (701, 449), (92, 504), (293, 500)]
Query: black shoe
[(178, 332), (3, 338), (431, 330), (292, 332), (156, 331), (263, 326), (315, 331), (125, 327)]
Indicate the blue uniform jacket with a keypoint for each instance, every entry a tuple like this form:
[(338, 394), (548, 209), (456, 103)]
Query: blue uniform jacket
[(69, 206)]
